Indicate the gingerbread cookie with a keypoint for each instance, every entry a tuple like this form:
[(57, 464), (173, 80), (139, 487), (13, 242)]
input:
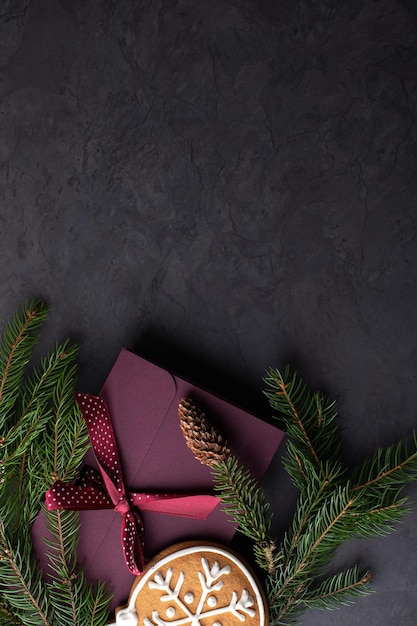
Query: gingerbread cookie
[(196, 585)]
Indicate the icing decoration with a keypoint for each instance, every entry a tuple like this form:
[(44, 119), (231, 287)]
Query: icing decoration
[(105, 489), (224, 591)]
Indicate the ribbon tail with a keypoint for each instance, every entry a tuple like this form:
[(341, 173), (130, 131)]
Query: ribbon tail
[(196, 507), (132, 542)]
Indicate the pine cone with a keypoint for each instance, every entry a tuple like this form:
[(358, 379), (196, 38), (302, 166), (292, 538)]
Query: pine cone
[(203, 439)]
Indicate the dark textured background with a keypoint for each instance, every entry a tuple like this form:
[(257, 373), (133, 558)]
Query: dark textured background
[(226, 185)]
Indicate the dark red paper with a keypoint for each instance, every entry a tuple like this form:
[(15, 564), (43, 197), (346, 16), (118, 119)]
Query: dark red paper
[(143, 402)]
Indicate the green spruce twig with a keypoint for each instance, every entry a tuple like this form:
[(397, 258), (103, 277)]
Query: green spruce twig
[(75, 602), (21, 584), (43, 438), (245, 503), (332, 507)]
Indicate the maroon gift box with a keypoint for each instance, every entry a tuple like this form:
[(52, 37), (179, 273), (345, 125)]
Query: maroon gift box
[(143, 403)]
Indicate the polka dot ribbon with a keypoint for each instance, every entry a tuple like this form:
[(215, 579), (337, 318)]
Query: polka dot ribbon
[(104, 489)]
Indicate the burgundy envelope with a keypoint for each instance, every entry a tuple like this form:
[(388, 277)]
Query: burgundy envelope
[(143, 403)]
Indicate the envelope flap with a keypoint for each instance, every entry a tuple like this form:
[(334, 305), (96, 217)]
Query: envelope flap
[(139, 393)]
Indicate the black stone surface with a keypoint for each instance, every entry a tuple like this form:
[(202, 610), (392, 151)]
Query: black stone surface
[(226, 186)]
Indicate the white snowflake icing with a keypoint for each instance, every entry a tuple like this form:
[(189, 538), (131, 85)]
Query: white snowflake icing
[(210, 580)]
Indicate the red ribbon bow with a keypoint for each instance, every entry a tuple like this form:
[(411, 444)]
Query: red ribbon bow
[(105, 489)]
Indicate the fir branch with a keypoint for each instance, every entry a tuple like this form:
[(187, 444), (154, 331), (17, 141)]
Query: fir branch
[(312, 551), (68, 441), (388, 469), (96, 608), (242, 498), (20, 452), (41, 383), (325, 532), (16, 344), (73, 600), (338, 590), (309, 504), (48, 397), (309, 420), (311, 543), (331, 508), (63, 526), (44, 439), (21, 582), (342, 589), (245, 503), (36, 394), (292, 398), (377, 521)]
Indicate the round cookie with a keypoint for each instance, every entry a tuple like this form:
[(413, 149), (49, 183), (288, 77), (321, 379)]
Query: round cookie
[(195, 584)]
